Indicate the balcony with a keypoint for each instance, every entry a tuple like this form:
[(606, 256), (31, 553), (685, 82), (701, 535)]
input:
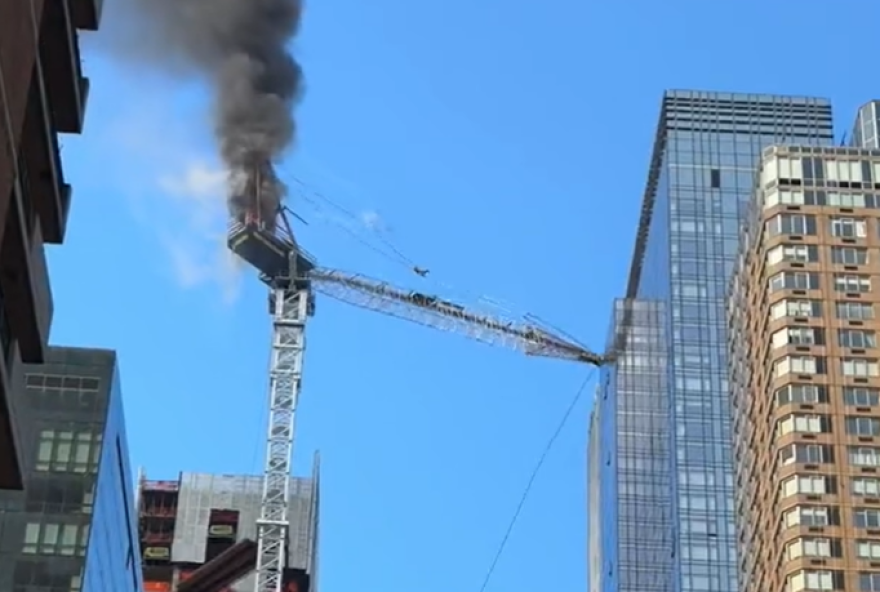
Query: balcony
[(40, 168), (44, 303), (24, 279), (86, 13), (66, 88)]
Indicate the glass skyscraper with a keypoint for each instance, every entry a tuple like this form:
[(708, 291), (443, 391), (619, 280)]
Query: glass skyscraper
[(866, 131), (701, 177), (73, 529)]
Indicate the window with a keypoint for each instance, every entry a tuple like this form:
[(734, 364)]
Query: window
[(44, 450), (866, 518), (806, 453), (796, 308), (863, 426), (55, 539), (869, 582), (861, 396), (849, 255), (698, 502), (805, 547), (867, 486), (807, 485), (807, 516), (791, 224), (690, 289), (860, 367), (801, 394), (799, 253), (856, 338), (868, 550), (794, 280), (799, 365), (797, 336), (785, 197), (851, 200), (852, 283), (790, 168), (849, 227), (714, 178), (688, 226), (31, 538), (805, 424), (855, 311), (843, 170), (697, 526), (68, 451), (808, 580), (864, 456)]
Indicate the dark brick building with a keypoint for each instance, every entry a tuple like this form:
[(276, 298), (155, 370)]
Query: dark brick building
[(42, 93)]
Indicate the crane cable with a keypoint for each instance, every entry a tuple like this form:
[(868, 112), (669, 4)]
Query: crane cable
[(392, 253), (313, 197), (571, 407)]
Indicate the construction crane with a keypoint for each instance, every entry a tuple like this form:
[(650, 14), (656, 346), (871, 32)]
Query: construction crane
[(261, 235)]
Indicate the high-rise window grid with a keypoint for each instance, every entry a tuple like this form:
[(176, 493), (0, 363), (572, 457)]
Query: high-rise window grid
[(71, 529), (706, 174), (821, 429)]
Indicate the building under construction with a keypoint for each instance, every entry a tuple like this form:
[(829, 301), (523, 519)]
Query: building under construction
[(187, 522)]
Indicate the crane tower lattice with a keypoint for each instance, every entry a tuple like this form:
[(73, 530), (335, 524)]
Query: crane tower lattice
[(262, 237)]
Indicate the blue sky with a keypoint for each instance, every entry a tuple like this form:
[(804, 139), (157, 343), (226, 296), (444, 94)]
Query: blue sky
[(505, 146)]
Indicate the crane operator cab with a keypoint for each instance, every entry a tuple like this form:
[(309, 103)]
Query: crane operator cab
[(254, 232)]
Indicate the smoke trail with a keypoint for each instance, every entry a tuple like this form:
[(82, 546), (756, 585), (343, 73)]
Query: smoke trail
[(240, 47)]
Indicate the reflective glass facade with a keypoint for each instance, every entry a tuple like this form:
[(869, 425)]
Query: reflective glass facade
[(629, 489), (701, 177), (594, 522), (73, 529), (866, 130)]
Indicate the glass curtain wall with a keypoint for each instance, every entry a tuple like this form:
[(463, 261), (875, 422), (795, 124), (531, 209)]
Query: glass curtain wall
[(73, 527), (630, 486), (702, 176)]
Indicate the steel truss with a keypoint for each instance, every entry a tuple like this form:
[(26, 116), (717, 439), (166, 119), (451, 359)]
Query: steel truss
[(290, 310)]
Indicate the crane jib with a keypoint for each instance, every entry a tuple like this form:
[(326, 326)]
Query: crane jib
[(533, 339)]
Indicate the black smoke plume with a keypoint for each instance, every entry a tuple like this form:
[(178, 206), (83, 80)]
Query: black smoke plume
[(241, 48)]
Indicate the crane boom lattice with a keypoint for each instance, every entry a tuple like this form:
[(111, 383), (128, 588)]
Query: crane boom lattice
[(448, 316)]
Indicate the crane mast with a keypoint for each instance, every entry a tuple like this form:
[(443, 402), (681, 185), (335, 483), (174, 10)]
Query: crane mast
[(260, 234), (290, 309), (261, 241)]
